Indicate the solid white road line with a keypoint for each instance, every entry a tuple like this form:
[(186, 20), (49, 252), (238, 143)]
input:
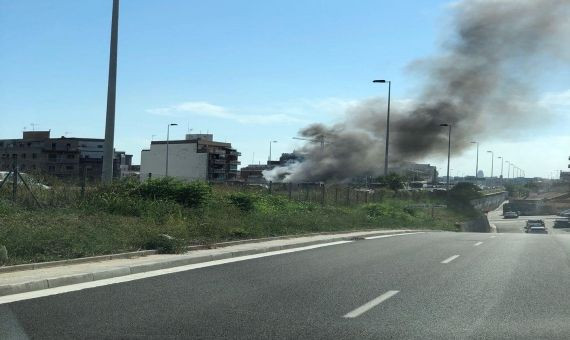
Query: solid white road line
[(446, 261), (132, 277), (384, 236), (493, 236), (478, 244), (371, 304)]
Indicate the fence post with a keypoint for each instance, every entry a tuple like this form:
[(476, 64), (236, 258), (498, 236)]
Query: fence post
[(270, 187), (306, 193), (15, 179), (347, 196), (357, 196), (366, 197), (150, 175), (289, 189), (335, 195), (323, 191), (84, 174)]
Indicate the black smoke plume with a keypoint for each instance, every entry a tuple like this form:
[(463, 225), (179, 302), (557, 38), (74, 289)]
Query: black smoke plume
[(481, 83)]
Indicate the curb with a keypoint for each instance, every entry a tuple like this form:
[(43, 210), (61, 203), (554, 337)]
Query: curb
[(139, 253), (146, 267), (99, 258)]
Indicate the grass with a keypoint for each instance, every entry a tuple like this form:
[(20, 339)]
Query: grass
[(129, 216)]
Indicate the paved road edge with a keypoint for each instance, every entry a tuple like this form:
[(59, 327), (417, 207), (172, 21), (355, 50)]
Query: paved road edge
[(29, 286)]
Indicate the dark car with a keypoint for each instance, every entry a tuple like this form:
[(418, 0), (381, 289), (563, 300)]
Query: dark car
[(562, 223)]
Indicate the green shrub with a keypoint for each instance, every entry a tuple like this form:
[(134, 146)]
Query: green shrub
[(166, 244), (193, 194), (244, 201)]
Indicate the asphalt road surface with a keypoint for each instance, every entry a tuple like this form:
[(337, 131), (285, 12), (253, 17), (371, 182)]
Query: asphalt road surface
[(435, 285), (516, 225)]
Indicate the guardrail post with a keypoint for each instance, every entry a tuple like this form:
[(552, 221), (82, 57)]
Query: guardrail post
[(15, 179)]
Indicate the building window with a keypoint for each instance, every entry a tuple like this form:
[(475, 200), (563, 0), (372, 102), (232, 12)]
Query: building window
[(71, 156), (100, 146), (52, 156), (23, 155), (51, 168), (53, 146), (34, 156), (69, 167)]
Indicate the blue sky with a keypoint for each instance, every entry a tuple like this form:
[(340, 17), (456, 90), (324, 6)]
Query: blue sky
[(247, 71)]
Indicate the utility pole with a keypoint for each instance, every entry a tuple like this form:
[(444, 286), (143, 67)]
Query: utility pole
[(492, 160), (108, 149), (167, 142), (448, 152), (477, 161), (387, 124)]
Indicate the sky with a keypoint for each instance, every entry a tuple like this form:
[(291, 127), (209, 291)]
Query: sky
[(247, 71)]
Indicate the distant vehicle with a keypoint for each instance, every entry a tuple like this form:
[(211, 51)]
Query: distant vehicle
[(562, 223), (565, 213), (510, 214), (537, 230), (534, 223)]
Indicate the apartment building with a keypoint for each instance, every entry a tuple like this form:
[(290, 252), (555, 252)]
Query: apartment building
[(63, 157), (198, 157)]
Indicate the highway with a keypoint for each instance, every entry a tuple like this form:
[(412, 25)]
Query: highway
[(433, 285), (516, 225)]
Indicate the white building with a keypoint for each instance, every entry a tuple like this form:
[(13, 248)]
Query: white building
[(191, 159)]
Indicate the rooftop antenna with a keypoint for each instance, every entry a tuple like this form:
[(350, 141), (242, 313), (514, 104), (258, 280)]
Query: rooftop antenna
[(33, 125), (66, 133), (253, 158), (24, 128), (152, 138), (189, 127)]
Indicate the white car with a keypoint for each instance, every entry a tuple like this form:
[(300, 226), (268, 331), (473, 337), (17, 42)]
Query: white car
[(510, 214), (537, 230)]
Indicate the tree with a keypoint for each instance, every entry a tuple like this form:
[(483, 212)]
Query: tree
[(393, 181)]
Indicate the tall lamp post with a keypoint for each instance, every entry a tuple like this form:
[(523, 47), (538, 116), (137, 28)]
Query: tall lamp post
[(387, 124), (492, 158), (502, 159), (271, 142), (448, 150), (477, 160), (508, 169), (108, 146), (167, 142)]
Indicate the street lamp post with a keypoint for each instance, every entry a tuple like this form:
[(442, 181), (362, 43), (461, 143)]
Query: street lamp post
[(271, 142), (387, 124), (448, 150), (508, 169), (477, 160), (502, 159), (167, 142), (492, 158)]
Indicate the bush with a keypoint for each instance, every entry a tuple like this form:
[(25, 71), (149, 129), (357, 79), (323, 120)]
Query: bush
[(464, 192), (193, 194), (392, 181), (166, 244), (244, 201)]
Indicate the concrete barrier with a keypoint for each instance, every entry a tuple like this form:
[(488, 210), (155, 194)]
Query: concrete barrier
[(477, 225), (489, 202)]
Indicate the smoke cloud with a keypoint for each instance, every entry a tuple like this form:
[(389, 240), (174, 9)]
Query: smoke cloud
[(481, 83)]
